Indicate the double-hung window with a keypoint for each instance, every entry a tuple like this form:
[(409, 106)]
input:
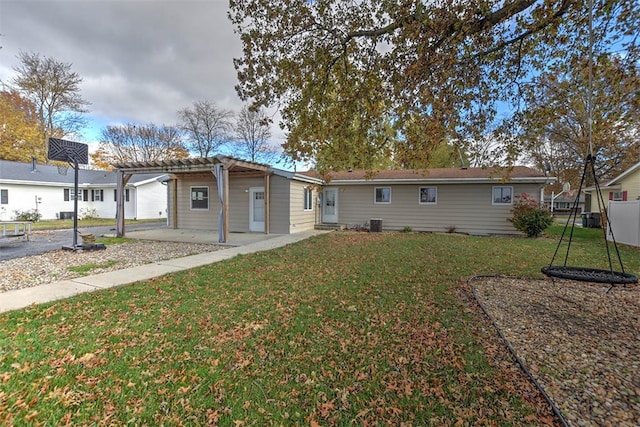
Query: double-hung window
[(308, 198), (4, 197), (97, 195)]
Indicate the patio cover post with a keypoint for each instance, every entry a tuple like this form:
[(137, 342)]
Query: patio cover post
[(222, 176), (267, 202), (122, 180)]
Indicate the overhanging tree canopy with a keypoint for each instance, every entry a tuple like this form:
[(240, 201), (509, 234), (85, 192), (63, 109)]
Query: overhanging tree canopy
[(377, 77)]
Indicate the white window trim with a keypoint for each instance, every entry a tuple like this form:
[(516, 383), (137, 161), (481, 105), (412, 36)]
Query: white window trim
[(191, 197), (617, 196), (493, 189), (420, 202), (307, 192), (375, 201)]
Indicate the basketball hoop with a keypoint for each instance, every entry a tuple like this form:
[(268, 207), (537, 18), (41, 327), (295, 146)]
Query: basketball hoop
[(62, 170)]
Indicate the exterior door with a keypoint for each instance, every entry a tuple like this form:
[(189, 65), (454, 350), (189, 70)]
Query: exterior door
[(256, 209), (330, 205)]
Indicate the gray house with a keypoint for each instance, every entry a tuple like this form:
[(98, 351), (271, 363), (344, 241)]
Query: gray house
[(226, 194)]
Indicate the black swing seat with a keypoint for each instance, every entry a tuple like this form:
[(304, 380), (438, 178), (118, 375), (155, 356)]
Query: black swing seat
[(586, 274)]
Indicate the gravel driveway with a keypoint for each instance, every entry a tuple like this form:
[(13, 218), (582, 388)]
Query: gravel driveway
[(48, 240)]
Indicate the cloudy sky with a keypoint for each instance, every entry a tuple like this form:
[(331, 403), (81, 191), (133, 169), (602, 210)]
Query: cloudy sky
[(140, 60)]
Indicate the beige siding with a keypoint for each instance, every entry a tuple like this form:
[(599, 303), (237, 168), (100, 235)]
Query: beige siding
[(239, 200), (301, 220), (465, 208), (631, 184), (197, 219)]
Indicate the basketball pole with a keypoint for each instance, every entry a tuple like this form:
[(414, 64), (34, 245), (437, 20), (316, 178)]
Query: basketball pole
[(75, 203)]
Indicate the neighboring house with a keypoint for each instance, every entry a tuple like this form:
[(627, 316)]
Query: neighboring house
[(563, 203), (624, 187), (623, 195), (231, 195), (50, 190)]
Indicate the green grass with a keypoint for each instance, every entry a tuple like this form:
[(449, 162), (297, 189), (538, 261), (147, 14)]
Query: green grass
[(57, 224), (85, 268), (340, 329)]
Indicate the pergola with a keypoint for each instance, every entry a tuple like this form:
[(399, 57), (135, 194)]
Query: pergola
[(222, 167)]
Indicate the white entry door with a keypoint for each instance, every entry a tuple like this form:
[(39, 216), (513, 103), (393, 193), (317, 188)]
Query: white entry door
[(330, 205), (256, 209)]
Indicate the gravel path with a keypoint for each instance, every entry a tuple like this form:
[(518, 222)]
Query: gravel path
[(580, 342), (54, 265)]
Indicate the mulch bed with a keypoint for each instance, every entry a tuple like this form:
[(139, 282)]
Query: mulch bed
[(580, 342)]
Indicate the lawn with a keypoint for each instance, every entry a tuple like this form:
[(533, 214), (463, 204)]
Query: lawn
[(343, 328)]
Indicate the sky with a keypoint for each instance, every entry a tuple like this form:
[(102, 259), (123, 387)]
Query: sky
[(140, 60)]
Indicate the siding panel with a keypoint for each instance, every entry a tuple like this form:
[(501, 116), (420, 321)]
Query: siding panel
[(464, 208)]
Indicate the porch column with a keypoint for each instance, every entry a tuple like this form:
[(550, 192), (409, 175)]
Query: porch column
[(222, 184), (225, 204), (174, 202), (267, 203), (121, 181)]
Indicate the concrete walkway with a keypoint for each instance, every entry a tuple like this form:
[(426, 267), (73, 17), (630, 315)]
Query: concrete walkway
[(20, 298)]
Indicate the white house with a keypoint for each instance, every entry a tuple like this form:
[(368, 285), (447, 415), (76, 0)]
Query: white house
[(50, 190)]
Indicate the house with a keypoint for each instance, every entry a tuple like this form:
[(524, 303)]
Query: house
[(232, 195), (466, 200), (623, 210), (624, 187), (49, 190), (226, 194)]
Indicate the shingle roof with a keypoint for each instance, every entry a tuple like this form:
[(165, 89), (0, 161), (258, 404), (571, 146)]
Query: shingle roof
[(25, 172), (441, 174)]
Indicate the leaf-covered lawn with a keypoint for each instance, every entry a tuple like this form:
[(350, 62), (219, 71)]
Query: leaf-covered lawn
[(344, 328)]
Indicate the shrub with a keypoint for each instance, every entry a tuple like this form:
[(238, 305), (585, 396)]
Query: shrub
[(86, 213), (30, 215), (529, 217), (407, 229)]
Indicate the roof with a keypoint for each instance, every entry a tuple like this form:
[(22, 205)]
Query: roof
[(624, 174), (18, 172), (458, 175)]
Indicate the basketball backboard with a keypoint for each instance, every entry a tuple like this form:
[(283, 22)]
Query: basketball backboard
[(68, 151)]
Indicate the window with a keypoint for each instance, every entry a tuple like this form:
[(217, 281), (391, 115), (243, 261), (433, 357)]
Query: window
[(97, 195), (85, 195), (4, 197), (618, 196), (199, 197), (69, 194), (115, 195), (383, 195), (428, 195), (308, 198), (502, 195)]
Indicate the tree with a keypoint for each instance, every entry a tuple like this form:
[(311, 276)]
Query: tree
[(556, 124), (206, 126), (134, 143), (435, 70), (55, 91), (252, 135), (20, 138)]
